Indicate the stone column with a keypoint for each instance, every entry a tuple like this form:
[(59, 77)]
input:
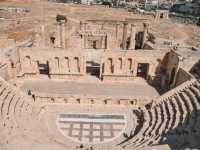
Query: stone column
[(63, 33), (117, 35), (117, 30), (81, 25), (108, 42), (85, 41), (106, 67), (124, 38), (145, 34), (103, 42), (102, 26), (85, 26), (166, 15), (157, 16), (43, 35), (82, 66), (37, 40), (58, 37), (132, 39)]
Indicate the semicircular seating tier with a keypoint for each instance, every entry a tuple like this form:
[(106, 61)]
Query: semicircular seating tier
[(172, 120)]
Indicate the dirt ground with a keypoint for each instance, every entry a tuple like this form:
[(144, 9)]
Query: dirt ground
[(22, 26)]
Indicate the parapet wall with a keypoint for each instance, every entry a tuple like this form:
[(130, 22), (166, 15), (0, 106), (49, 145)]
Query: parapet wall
[(182, 76), (87, 100)]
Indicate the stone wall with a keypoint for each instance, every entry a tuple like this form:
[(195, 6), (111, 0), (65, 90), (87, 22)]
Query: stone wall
[(182, 76), (123, 65), (81, 100), (55, 63), (172, 66)]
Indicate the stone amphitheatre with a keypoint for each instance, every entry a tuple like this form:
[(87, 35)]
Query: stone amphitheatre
[(96, 78)]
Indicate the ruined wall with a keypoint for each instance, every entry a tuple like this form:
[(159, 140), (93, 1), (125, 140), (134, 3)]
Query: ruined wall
[(54, 63), (123, 65), (95, 34), (89, 100), (170, 66)]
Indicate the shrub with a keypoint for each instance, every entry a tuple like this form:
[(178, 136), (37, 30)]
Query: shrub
[(151, 38), (60, 17)]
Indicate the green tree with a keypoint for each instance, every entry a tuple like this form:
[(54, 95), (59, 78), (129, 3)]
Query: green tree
[(151, 38), (138, 38)]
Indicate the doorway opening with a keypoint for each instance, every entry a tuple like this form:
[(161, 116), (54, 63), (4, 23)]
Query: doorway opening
[(93, 69), (142, 70), (94, 44), (43, 68), (161, 16), (52, 39)]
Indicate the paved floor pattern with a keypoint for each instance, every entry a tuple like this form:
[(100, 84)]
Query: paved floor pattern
[(91, 128)]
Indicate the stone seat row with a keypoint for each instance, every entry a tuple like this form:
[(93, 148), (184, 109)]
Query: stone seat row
[(15, 110), (173, 116)]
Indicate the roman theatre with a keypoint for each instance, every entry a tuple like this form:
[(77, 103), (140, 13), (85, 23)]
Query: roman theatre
[(96, 78)]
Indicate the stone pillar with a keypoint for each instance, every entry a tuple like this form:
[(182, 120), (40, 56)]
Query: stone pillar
[(58, 37), (124, 38), (85, 26), (108, 42), (145, 34), (63, 33), (81, 25), (166, 15), (43, 35), (102, 26), (37, 40), (107, 67), (117, 30), (103, 42), (156, 16), (132, 39), (85, 41)]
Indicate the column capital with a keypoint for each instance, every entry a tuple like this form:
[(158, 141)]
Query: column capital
[(125, 23), (133, 25), (146, 24)]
